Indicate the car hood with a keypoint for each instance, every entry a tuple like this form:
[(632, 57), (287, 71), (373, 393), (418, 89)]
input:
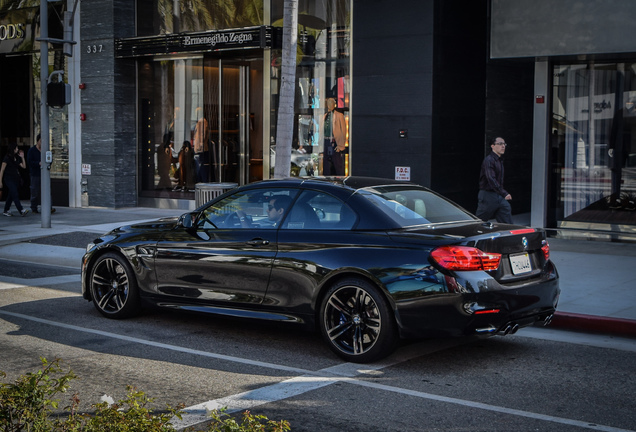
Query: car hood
[(162, 224)]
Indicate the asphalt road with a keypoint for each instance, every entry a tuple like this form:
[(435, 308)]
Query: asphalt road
[(536, 380)]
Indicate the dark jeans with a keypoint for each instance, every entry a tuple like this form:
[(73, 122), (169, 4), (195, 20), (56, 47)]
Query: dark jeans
[(13, 195), (36, 184), (202, 167), (333, 162), (492, 205)]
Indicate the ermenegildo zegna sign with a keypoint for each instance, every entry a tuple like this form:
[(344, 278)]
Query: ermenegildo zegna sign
[(214, 40)]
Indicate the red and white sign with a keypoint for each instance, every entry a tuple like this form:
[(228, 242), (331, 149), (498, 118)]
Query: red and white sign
[(403, 173), (86, 169)]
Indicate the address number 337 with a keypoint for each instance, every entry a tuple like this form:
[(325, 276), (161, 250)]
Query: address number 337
[(92, 49)]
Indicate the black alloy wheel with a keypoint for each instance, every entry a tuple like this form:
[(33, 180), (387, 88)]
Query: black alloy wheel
[(113, 287), (356, 321)]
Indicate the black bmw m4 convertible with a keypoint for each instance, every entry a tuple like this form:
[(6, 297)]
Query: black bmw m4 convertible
[(366, 261)]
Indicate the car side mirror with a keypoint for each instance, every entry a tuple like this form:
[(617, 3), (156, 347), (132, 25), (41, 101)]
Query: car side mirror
[(187, 220)]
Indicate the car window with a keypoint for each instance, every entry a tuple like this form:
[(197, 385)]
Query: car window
[(411, 205), (320, 211), (248, 209)]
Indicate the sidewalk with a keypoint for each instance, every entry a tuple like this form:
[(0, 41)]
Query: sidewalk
[(598, 279)]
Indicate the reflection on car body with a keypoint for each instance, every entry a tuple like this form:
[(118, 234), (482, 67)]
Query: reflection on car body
[(366, 261)]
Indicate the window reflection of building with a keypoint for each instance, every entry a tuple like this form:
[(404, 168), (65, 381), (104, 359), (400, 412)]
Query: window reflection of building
[(228, 89), (594, 143), (323, 72)]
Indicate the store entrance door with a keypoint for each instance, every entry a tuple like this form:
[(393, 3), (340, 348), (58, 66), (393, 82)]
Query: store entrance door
[(233, 142)]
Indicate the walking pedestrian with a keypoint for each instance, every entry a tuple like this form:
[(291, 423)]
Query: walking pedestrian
[(11, 178), (493, 199)]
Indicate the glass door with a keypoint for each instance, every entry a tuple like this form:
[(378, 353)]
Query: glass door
[(226, 108), (593, 146), (200, 122)]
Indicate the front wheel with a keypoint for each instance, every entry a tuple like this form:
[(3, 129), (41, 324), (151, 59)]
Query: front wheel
[(113, 287), (356, 321)]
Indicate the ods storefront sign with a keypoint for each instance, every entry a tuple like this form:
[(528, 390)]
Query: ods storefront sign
[(11, 31)]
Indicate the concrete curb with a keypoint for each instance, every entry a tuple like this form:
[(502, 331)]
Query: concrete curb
[(594, 324)]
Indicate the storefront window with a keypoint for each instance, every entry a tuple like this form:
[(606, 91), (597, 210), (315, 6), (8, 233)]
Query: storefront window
[(171, 96), (593, 148), (322, 79)]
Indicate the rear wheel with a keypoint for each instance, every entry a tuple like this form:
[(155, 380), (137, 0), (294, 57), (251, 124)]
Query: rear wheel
[(113, 287), (356, 321)]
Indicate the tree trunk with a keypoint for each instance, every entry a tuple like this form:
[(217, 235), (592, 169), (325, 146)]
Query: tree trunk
[(285, 127)]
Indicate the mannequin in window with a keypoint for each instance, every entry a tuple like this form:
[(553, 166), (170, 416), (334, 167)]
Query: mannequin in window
[(200, 144), (186, 167), (334, 130)]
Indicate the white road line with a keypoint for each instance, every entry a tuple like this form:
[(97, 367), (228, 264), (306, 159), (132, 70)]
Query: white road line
[(587, 339), (488, 407), (308, 381), (160, 345), (197, 414), (11, 282)]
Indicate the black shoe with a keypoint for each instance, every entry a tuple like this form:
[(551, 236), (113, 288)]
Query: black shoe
[(34, 211)]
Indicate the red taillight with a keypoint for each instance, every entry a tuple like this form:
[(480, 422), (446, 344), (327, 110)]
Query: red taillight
[(465, 258), (546, 250), (487, 311), (523, 231)]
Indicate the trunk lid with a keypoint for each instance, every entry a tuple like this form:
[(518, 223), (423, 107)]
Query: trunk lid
[(523, 250)]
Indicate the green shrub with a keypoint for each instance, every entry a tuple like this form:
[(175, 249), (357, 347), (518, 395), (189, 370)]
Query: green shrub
[(28, 404), (129, 414), (249, 423)]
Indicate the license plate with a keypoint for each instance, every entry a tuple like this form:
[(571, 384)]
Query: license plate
[(520, 263)]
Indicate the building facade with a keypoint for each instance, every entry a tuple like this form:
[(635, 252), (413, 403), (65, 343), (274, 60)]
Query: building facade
[(20, 89), (170, 94), (584, 132)]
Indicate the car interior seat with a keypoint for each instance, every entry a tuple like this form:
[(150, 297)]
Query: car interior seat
[(302, 216)]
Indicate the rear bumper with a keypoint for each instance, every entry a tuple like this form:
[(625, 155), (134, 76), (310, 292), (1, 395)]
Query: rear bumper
[(486, 308)]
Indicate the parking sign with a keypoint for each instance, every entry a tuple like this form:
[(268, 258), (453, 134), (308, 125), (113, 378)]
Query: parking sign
[(403, 173)]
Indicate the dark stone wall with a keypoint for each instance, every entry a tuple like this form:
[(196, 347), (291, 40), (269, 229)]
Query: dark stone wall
[(109, 100), (423, 66), (509, 114), (459, 95), (537, 28), (392, 87)]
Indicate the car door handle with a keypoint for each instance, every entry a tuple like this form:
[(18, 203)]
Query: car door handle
[(258, 242)]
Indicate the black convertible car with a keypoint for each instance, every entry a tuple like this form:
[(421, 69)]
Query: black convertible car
[(364, 260)]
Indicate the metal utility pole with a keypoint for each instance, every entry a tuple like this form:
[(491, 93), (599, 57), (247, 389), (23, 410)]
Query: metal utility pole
[(45, 193), (46, 156)]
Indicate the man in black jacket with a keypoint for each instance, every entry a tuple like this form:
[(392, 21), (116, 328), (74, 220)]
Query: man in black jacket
[(493, 199)]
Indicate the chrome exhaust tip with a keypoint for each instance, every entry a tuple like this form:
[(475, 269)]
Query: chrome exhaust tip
[(506, 330), (514, 329), (548, 320), (483, 330)]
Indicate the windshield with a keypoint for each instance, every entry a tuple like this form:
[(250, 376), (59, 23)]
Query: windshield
[(411, 205)]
